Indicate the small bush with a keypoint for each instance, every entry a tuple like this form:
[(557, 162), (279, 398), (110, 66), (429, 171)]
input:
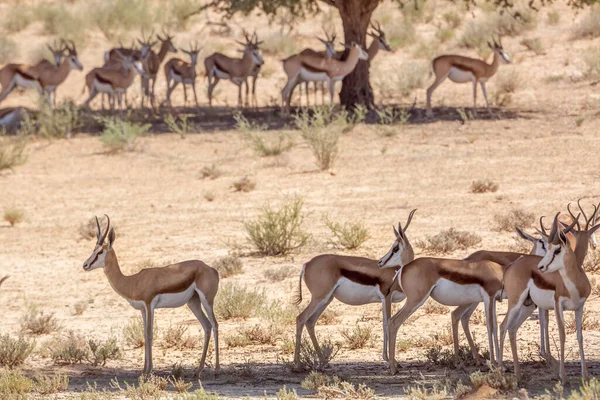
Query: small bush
[(433, 307), (178, 125), (269, 145), (261, 335), (211, 172), (484, 186), (279, 274), (533, 44), (57, 123), (8, 50), (133, 332), (36, 322), (14, 352), (350, 235), (15, 385), (228, 266), (245, 184), (12, 153), (495, 378), (50, 385), (444, 34), (114, 16), (14, 216), (285, 394), (422, 392), (103, 351), (180, 385), (237, 301), (592, 60), (589, 26), (69, 349), (278, 232), (150, 387), (309, 358), (237, 340), (80, 307), (476, 35), (418, 11), (358, 337), (516, 217), (518, 21), (453, 19), (173, 336), (591, 264), (553, 18), (315, 380), (449, 240), (390, 118), (400, 35), (16, 18), (279, 45), (278, 313), (120, 135), (346, 390)]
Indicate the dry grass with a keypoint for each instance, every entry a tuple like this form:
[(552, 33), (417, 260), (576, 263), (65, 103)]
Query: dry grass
[(210, 172), (133, 333), (14, 352), (449, 240), (120, 135), (309, 359), (49, 385), (591, 59), (506, 84), (245, 184), (229, 266), (8, 50), (515, 218), (591, 264), (71, 348), (589, 26), (587, 322), (495, 378), (12, 153), (278, 274), (13, 216), (357, 338), (36, 322), (484, 186), (80, 307), (533, 44), (433, 307), (15, 385), (265, 144)]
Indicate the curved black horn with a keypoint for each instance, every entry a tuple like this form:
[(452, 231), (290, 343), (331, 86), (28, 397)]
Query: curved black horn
[(99, 233), (101, 240), (554, 228), (410, 217), (573, 215)]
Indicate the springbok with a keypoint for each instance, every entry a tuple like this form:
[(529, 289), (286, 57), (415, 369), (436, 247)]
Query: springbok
[(460, 69), (153, 62), (314, 68), (352, 280), (218, 66), (11, 117), (557, 281), (112, 81), (179, 71), (188, 282)]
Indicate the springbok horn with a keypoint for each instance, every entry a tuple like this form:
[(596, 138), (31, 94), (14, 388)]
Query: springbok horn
[(99, 233), (107, 229), (554, 228), (583, 213), (410, 217), (573, 215)]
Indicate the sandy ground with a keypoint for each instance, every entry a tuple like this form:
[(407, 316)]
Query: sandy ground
[(534, 149)]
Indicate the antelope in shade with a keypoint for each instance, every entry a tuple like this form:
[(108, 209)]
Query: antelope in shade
[(153, 62), (188, 282), (315, 68), (218, 66), (556, 281), (114, 82), (351, 280), (179, 71), (460, 69)]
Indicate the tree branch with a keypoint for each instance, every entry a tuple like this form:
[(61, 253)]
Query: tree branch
[(214, 3)]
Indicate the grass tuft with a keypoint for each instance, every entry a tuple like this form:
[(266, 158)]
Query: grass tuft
[(350, 235), (15, 385), (516, 217), (211, 172), (14, 216), (245, 184), (14, 352), (533, 44), (49, 385), (494, 378), (120, 135), (358, 337), (589, 26), (449, 240), (12, 153), (484, 186), (37, 322), (228, 266), (309, 358), (237, 301), (279, 274)]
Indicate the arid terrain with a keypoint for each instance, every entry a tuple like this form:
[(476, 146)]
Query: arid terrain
[(540, 147)]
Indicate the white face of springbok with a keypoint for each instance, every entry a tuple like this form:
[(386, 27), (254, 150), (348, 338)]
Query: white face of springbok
[(497, 48), (559, 252), (401, 252), (96, 260), (540, 246)]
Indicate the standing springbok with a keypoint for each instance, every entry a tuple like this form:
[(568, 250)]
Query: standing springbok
[(352, 280), (218, 66), (188, 282), (557, 281), (113, 81), (315, 68), (153, 62), (179, 71), (329, 52), (451, 283), (460, 69)]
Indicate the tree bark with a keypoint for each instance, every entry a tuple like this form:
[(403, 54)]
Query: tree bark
[(356, 15)]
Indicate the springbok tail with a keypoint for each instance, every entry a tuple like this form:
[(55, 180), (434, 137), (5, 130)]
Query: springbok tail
[(297, 296)]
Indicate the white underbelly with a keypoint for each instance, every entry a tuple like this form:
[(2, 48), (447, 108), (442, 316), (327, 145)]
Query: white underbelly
[(221, 74), (460, 76), (307, 75), (8, 119), (452, 294), (542, 298), (397, 297), (102, 87), (138, 305), (355, 294), (172, 300), (26, 83)]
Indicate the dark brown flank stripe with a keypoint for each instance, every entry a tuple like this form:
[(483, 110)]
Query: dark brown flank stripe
[(460, 277), (26, 75), (464, 68), (541, 282), (102, 80), (360, 278), (220, 67)]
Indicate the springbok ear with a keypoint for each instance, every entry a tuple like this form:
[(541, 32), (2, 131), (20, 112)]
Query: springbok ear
[(593, 229), (111, 237), (562, 237)]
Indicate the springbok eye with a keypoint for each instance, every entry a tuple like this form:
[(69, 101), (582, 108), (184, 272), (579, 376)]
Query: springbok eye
[(557, 251), (542, 244)]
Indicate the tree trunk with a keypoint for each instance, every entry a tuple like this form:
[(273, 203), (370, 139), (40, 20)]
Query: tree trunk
[(356, 15)]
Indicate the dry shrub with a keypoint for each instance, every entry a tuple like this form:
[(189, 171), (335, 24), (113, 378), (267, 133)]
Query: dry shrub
[(553, 18), (54, 123), (444, 34), (245, 184), (358, 337), (174, 336), (12, 153), (453, 19), (50, 385), (209, 196), (261, 335), (350, 235), (515, 23), (237, 340), (533, 44), (589, 390), (80, 307), (36, 322), (279, 274), (309, 358), (285, 394), (120, 134), (410, 76), (237, 301), (587, 323), (133, 333), (13, 216), (278, 232), (506, 84), (589, 26), (484, 186), (418, 11), (228, 266), (16, 18), (279, 45), (591, 264), (400, 34), (264, 145), (329, 317), (180, 385), (15, 385), (211, 172), (494, 378), (476, 35), (102, 351), (69, 349), (337, 388), (14, 352), (433, 307), (592, 59), (150, 387), (449, 240), (421, 391), (314, 380), (517, 217)]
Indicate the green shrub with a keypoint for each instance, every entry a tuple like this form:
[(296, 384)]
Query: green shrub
[(178, 125), (358, 337), (103, 351), (12, 152), (60, 122), (14, 216), (69, 349), (453, 19), (237, 301), (14, 352), (449, 240), (119, 135), (36, 322), (15, 385), (350, 235), (228, 266), (278, 232), (263, 144), (149, 387), (49, 385)]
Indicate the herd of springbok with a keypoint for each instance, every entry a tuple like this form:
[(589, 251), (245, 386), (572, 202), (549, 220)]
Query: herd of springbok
[(549, 277), (123, 64)]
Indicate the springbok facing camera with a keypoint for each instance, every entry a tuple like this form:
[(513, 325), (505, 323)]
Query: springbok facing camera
[(179, 71), (188, 282), (460, 69), (352, 280)]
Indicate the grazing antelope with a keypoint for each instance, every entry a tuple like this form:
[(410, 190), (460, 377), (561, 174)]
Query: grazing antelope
[(556, 281), (449, 282), (112, 81), (188, 282), (352, 280), (460, 69), (315, 68), (179, 71), (153, 62), (219, 66)]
